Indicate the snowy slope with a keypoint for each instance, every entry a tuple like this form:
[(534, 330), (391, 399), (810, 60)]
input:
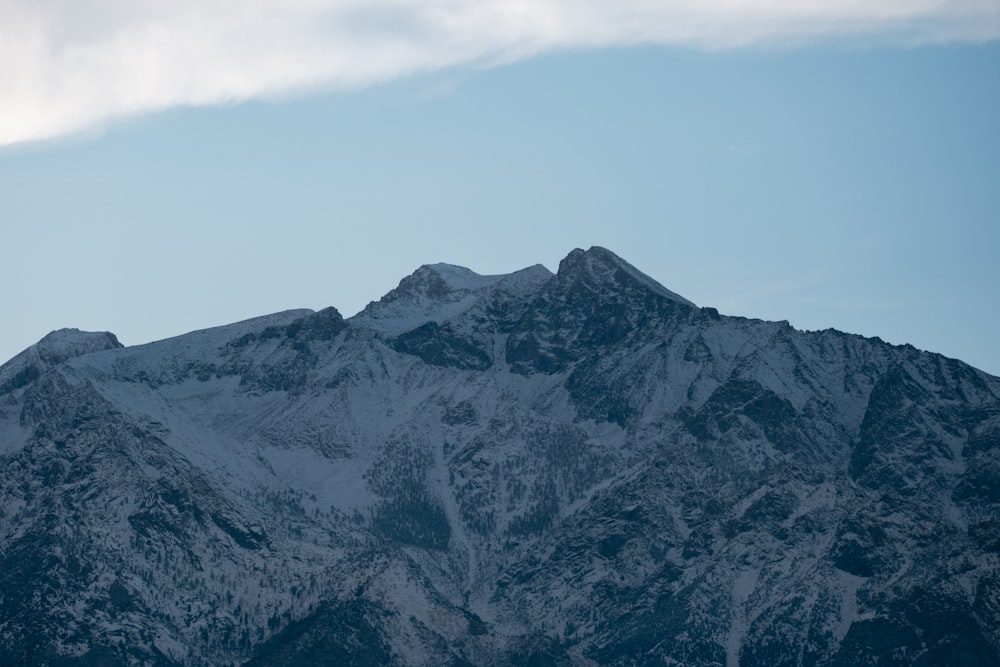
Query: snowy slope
[(537, 468)]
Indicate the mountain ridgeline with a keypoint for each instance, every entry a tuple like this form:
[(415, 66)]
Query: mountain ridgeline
[(576, 468)]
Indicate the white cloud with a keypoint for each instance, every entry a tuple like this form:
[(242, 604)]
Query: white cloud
[(70, 65)]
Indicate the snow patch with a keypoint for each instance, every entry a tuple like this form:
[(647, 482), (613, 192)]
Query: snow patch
[(743, 586)]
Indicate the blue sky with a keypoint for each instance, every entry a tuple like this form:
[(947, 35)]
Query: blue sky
[(831, 176)]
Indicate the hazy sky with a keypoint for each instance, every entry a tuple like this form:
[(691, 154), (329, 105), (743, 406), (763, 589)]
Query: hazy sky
[(164, 170)]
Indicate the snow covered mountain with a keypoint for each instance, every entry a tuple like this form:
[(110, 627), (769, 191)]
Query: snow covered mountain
[(530, 469)]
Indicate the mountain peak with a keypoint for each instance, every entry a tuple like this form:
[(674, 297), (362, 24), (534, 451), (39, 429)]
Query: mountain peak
[(55, 348), (439, 292), (600, 267), (62, 344), (437, 281)]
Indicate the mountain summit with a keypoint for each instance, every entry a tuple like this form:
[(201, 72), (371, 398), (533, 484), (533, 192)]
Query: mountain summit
[(56, 347), (600, 268), (576, 468)]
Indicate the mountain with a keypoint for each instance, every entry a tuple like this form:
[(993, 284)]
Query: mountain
[(528, 469)]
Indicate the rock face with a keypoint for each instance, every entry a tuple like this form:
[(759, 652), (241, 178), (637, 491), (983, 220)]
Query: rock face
[(531, 469)]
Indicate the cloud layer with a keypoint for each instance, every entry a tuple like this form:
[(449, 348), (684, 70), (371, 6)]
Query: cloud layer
[(70, 65)]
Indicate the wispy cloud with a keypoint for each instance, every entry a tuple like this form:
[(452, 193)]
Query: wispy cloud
[(71, 65)]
